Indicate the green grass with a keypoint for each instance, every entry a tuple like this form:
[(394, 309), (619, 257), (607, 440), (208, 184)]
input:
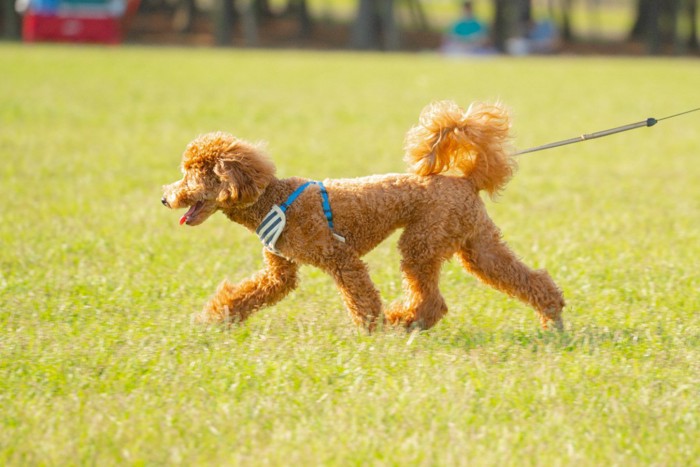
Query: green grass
[(99, 363)]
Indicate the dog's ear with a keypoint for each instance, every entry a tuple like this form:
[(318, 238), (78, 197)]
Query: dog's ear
[(245, 171), (238, 187)]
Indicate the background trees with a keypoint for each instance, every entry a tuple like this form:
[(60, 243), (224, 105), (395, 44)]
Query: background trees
[(659, 25)]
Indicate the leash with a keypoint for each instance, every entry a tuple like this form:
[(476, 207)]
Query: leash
[(649, 122)]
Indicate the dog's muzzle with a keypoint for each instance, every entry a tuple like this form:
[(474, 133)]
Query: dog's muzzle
[(165, 202)]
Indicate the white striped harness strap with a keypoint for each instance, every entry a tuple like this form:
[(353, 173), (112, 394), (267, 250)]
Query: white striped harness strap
[(273, 224)]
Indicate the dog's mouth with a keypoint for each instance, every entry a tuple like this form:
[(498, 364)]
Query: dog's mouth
[(192, 213)]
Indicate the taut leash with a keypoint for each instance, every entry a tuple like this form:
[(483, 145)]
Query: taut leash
[(649, 122)]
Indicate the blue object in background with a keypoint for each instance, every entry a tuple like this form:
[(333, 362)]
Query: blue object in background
[(44, 6)]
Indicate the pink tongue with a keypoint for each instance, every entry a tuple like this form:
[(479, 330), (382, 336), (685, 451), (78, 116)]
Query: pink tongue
[(189, 212)]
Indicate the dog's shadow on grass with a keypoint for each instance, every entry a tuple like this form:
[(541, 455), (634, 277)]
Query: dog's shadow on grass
[(588, 339)]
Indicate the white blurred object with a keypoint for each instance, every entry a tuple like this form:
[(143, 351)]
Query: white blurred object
[(21, 6), (517, 46)]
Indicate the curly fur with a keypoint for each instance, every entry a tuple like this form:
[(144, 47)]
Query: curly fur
[(452, 155), (475, 143)]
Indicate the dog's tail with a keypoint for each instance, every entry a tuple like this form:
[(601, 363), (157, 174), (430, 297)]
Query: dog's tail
[(473, 142)]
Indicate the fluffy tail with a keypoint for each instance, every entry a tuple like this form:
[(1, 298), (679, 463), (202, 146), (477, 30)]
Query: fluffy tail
[(474, 143)]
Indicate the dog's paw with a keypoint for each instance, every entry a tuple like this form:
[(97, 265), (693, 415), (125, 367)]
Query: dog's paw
[(201, 318), (552, 323), (396, 315), (211, 315)]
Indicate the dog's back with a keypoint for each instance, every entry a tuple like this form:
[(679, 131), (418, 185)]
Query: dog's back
[(368, 209)]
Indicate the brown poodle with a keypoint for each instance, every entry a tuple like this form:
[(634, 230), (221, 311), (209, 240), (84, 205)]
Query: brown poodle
[(332, 224)]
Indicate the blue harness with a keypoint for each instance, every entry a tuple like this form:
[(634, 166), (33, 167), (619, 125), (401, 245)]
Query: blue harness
[(273, 224)]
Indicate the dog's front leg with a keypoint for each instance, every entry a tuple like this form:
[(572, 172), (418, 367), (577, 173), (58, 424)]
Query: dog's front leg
[(235, 303)]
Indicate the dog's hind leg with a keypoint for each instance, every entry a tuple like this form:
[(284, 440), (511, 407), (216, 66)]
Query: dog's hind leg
[(422, 305), (490, 259), (360, 295), (235, 303)]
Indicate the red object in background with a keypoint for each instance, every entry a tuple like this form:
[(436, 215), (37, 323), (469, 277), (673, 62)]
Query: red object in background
[(39, 27)]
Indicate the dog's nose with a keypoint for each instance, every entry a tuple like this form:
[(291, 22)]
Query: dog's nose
[(165, 202)]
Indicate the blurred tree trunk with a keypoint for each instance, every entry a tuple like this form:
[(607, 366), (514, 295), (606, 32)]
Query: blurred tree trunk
[(693, 17), (11, 21), (390, 28), (525, 12), (223, 22), (655, 22), (375, 26), (512, 18), (500, 24), (644, 18), (364, 31), (300, 9), (262, 8), (566, 30), (185, 11)]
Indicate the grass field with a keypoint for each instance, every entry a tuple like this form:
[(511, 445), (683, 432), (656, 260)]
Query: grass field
[(99, 364)]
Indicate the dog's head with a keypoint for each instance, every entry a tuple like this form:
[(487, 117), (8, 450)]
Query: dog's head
[(219, 172)]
